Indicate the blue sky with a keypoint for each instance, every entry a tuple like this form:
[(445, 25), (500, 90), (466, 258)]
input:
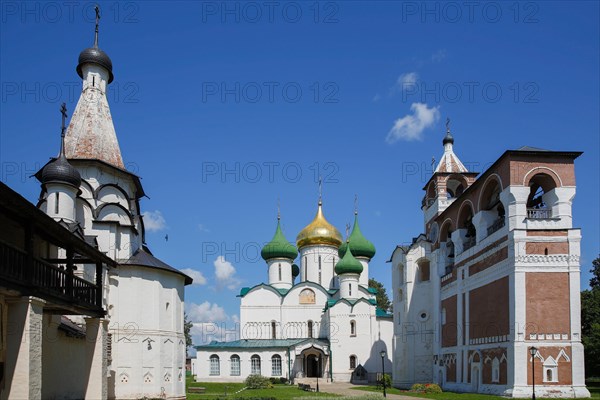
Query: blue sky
[(223, 108)]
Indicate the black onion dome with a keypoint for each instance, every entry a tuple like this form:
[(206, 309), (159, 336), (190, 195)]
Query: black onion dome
[(93, 55), (61, 171), (448, 138)]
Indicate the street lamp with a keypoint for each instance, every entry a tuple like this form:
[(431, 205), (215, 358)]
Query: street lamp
[(382, 354), (533, 351), (318, 372)]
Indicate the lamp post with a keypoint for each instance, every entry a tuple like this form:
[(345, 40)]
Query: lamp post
[(533, 351), (318, 372), (382, 354)]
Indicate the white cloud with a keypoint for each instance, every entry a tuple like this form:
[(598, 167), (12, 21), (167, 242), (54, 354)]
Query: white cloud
[(407, 79), (211, 322), (411, 127), (225, 273), (438, 56), (203, 228), (154, 221), (197, 276), (205, 312)]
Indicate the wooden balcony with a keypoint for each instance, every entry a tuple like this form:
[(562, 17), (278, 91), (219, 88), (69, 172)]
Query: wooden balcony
[(37, 277)]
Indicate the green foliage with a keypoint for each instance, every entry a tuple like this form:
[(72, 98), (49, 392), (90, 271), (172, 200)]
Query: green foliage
[(383, 301), (590, 322), (278, 381), (258, 382), (387, 379), (187, 327), (426, 388)]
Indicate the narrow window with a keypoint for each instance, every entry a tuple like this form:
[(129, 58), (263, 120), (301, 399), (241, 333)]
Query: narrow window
[(305, 269), (352, 361), (276, 365), (280, 271), (215, 368), (545, 250), (273, 330), (56, 201), (349, 289), (235, 365), (548, 375), (319, 270), (310, 329), (255, 365), (352, 328)]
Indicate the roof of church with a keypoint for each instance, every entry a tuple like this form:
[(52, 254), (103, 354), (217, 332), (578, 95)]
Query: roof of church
[(382, 314), (319, 231), (258, 343), (144, 258), (245, 290), (360, 246), (279, 247)]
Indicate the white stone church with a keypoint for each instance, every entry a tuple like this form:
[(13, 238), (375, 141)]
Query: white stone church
[(315, 319), (92, 312)]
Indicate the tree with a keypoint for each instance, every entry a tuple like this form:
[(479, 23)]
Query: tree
[(383, 301), (590, 322), (187, 327)]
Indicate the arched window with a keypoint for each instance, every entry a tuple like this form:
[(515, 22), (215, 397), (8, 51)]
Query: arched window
[(273, 330), (255, 365), (309, 328), (538, 202), (352, 361), (495, 370), (465, 222), (455, 186), (215, 365), (352, 328), (548, 375), (550, 370), (423, 271), (276, 365), (235, 365)]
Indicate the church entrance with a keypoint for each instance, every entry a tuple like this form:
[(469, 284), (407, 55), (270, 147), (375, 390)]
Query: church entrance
[(314, 366)]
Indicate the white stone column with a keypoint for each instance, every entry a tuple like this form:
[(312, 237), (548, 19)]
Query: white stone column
[(96, 358), (23, 369)]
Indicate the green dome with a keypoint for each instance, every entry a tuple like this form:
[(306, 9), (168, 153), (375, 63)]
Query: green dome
[(348, 264), (295, 270), (279, 247), (359, 245)]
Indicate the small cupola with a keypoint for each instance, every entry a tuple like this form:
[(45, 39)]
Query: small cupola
[(348, 264), (60, 170), (360, 246), (279, 247), (94, 55)]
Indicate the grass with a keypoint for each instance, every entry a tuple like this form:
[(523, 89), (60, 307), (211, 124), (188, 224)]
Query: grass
[(441, 396), (216, 390), (593, 387)]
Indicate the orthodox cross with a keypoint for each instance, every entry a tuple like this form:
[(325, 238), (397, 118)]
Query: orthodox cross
[(447, 124), (63, 111), (278, 210), (97, 9), (355, 204), (320, 189), (347, 231)]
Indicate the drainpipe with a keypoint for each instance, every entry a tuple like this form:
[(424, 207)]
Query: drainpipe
[(289, 367), (330, 364)]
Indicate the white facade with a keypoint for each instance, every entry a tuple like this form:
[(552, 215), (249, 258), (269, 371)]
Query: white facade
[(311, 326), (496, 273)]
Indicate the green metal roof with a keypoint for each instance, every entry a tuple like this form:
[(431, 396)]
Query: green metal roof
[(348, 264), (257, 343), (279, 247), (382, 314), (359, 245)]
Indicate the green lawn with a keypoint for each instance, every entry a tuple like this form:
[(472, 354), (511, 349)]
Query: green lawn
[(441, 396), (593, 387), (218, 390)]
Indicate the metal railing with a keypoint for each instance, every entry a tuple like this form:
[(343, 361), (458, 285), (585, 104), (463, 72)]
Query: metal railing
[(499, 223), (468, 243), (539, 213)]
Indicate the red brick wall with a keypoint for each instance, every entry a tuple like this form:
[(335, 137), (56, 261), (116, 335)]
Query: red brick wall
[(547, 248), (489, 310), (548, 303), (450, 327)]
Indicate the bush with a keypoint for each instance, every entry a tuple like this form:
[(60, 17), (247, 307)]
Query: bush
[(387, 379), (426, 388), (258, 382)]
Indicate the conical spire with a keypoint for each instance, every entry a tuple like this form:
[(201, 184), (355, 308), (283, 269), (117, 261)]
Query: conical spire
[(91, 134), (279, 247), (449, 161), (348, 264)]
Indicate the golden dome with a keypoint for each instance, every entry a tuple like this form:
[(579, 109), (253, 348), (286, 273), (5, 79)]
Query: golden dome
[(319, 231)]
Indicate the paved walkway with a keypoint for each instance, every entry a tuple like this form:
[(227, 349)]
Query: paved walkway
[(345, 389)]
